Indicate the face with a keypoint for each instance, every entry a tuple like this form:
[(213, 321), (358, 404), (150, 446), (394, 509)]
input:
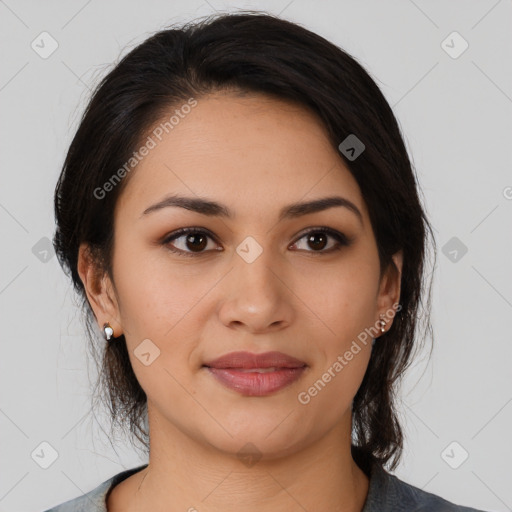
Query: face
[(255, 276)]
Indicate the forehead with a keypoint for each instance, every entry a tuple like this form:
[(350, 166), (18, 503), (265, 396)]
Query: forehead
[(248, 150)]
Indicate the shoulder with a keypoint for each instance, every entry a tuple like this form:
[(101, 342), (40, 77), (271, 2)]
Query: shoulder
[(388, 493), (95, 500)]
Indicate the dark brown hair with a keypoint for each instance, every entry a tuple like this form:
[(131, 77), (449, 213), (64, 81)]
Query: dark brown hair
[(251, 52)]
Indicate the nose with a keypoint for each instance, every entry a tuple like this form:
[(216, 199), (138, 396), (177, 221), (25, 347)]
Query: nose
[(257, 295)]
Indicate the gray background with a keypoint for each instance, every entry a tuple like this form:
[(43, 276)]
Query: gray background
[(456, 116)]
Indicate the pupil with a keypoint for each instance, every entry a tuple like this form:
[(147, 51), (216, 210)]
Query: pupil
[(313, 237), (192, 237)]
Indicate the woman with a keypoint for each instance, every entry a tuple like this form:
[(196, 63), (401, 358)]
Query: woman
[(240, 216)]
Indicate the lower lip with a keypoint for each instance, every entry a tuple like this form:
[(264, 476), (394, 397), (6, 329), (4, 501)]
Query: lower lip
[(254, 383)]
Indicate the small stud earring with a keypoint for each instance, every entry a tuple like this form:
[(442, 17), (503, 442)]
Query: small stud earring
[(108, 331), (382, 323)]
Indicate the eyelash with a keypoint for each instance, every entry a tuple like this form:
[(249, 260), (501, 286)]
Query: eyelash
[(342, 240)]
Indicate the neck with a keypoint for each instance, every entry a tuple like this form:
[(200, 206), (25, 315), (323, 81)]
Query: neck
[(193, 476)]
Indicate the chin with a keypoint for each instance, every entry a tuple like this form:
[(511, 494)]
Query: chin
[(258, 438)]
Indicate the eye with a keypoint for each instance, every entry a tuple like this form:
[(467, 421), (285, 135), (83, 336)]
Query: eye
[(317, 238), (194, 241)]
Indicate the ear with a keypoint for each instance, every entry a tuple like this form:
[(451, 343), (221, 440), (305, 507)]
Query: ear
[(99, 290), (389, 290)]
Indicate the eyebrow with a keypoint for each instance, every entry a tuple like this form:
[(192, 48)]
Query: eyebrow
[(215, 209)]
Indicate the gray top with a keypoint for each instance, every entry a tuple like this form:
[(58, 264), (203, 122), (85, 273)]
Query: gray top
[(386, 493)]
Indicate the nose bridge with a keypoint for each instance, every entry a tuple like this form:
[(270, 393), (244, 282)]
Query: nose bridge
[(258, 298), (256, 264)]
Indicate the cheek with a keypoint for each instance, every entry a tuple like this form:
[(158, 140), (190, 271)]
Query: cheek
[(345, 347), (343, 297), (345, 308), (162, 303), (344, 302), (154, 294)]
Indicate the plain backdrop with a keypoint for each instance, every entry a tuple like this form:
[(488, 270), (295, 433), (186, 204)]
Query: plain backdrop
[(454, 105)]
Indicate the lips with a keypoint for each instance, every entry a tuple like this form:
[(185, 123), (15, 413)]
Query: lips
[(248, 360), (256, 374)]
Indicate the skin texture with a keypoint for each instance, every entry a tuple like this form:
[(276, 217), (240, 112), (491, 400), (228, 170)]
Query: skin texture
[(254, 154)]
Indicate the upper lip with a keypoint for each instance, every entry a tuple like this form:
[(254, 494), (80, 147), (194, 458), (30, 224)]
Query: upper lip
[(247, 360)]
